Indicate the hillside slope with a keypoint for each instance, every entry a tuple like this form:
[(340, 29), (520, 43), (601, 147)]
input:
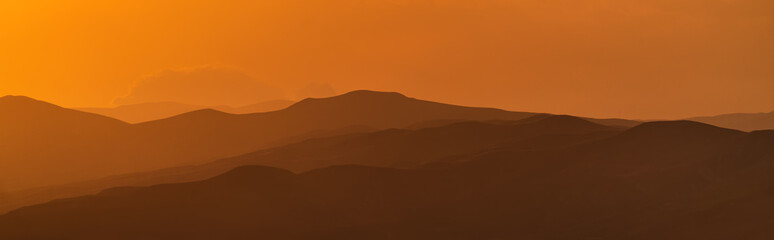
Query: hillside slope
[(662, 180)]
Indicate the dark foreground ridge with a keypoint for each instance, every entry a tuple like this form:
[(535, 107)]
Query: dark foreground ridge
[(711, 183)]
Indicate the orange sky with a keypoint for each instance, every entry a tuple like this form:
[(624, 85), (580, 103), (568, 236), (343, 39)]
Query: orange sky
[(603, 58)]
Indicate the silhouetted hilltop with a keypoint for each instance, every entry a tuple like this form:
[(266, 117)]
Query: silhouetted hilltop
[(365, 96), (389, 109), (741, 121)]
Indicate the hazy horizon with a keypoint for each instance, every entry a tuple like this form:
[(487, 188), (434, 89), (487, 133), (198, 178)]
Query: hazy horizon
[(627, 59), (235, 109), (386, 119)]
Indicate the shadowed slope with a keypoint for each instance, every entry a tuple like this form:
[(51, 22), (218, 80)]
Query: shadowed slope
[(575, 192)]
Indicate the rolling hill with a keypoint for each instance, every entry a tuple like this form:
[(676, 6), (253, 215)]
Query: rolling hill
[(659, 180), (398, 148), (88, 146)]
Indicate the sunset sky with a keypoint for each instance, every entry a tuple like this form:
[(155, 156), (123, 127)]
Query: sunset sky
[(599, 58)]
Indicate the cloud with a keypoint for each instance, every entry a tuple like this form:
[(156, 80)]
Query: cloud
[(315, 90), (206, 86)]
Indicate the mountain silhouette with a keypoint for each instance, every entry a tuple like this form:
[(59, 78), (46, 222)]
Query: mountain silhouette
[(741, 121), (143, 112), (398, 148), (88, 146), (713, 183), (207, 135)]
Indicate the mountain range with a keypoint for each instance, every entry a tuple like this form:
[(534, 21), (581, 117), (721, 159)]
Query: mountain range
[(377, 165), (88, 146), (395, 148), (573, 179)]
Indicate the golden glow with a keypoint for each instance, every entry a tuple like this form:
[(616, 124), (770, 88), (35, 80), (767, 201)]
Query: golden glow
[(641, 59)]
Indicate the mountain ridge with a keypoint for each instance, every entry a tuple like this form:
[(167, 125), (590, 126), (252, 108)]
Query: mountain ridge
[(399, 148), (83, 142), (509, 195)]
